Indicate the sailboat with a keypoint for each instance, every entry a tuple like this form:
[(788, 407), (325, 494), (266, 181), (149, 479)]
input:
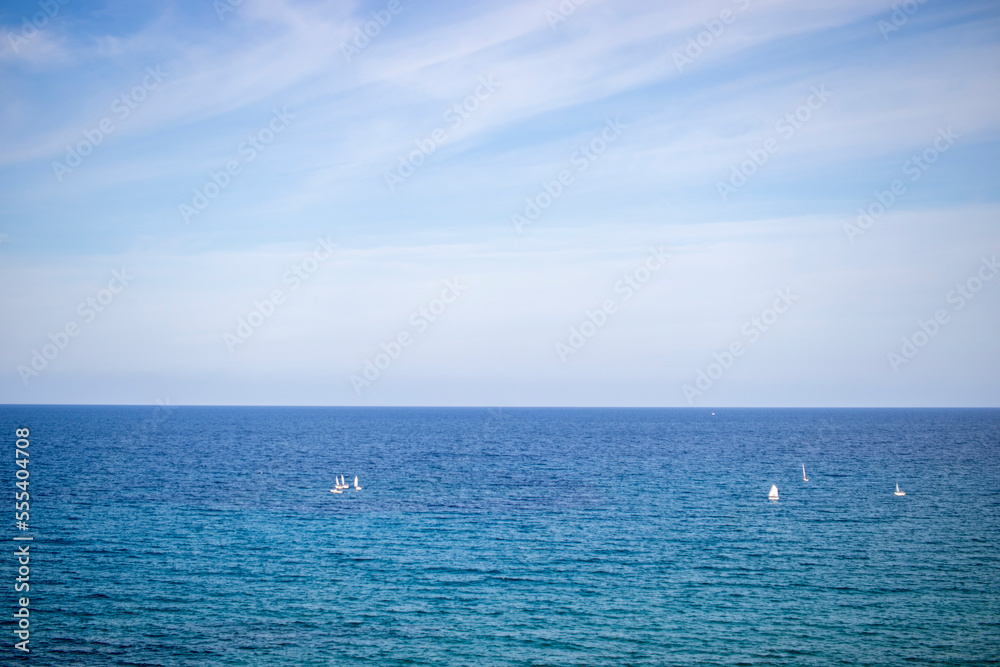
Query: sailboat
[(804, 478), (898, 492), (339, 486), (773, 495), (356, 487)]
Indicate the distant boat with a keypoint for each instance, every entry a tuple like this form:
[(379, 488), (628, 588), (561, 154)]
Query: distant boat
[(356, 487), (339, 486), (773, 495), (898, 492), (804, 478)]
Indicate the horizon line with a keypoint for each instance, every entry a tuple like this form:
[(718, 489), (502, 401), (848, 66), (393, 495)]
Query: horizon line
[(505, 407)]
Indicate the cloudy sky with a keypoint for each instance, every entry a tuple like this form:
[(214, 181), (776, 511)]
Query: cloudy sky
[(593, 203)]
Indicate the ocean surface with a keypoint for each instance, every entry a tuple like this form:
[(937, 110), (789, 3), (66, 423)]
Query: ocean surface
[(209, 536)]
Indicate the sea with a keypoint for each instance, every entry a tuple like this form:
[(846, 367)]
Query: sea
[(209, 536)]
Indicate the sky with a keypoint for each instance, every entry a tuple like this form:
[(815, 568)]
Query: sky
[(529, 203)]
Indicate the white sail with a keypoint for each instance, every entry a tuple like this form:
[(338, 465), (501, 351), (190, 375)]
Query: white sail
[(356, 486), (773, 495), (898, 492), (805, 478)]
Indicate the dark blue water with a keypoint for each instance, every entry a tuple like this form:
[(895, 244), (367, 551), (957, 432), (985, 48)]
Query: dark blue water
[(208, 536)]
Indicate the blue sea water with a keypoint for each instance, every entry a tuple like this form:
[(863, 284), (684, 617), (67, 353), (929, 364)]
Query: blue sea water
[(209, 536)]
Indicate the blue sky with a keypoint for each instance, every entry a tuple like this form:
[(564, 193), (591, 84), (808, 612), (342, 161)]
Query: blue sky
[(736, 139)]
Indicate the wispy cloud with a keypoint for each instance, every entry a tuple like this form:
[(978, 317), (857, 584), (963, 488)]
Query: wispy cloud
[(688, 128)]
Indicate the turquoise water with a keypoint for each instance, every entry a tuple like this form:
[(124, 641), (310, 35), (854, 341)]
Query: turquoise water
[(208, 536)]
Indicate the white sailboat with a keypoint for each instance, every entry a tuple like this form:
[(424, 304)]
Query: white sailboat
[(339, 486), (804, 477), (898, 492), (356, 487), (773, 495)]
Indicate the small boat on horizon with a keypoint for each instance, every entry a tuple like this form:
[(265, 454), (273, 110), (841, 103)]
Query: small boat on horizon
[(356, 487), (898, 492), (773, 494), (339, 486), (804, 478)]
